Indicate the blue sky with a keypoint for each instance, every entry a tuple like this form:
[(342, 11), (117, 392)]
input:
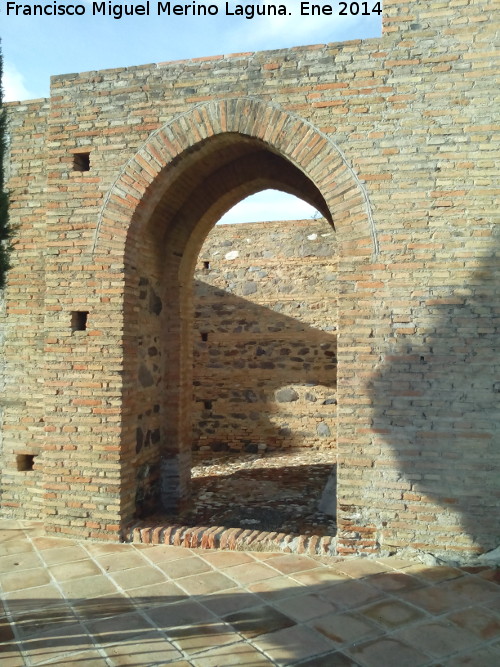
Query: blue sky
[(35, 48)]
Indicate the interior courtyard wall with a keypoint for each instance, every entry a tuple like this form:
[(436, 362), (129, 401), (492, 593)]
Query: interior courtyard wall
[(417, 429), (265, 337)]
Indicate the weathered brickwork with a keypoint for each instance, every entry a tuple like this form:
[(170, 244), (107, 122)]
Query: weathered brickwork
[(265, 318), (118, 177)]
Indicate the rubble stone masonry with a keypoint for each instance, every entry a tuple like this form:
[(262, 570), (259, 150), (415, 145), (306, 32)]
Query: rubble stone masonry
[(265, 342), (115, 182)]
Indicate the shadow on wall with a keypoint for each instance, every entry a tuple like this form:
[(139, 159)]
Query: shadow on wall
[(260, 376), (436, 404)]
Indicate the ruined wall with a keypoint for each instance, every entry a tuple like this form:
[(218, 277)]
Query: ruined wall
[(395, 140), (265, 341)]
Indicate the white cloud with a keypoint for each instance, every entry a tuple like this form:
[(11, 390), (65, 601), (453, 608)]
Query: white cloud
[(268, 205), (13, 84), (294, 28)]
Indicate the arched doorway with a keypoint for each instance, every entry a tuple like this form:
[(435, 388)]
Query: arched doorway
[(156, 217)]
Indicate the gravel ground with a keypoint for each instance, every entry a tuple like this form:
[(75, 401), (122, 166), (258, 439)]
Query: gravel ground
[(272, 491)]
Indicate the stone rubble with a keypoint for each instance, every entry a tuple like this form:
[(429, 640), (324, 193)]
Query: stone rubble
[(273, 491)]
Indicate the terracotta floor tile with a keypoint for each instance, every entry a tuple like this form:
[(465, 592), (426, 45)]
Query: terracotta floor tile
[(160, 553), (388, 652), (138, 576), (99, 548), (479, 621), (58, 644), (10, 656), (180, 614), (43, 543), (361, 567), (9, 524), (64, 555), (234, 600), (148, 650), (394, 582), (392, 614), (305, 607), (345, 628), (435, 574), (265, 555), (350, 594), (121, 561), (235, 654), (474, 569), (102, 607), (206, 583), (453, 595), (165, 592), (19, 562), (88, 587), (320, 577), (121, 628), (471, 587), (142, 547), (194, 639), (494, 604), (74, 570), (396, 563), (438, 638), (293, 644), (31, 524), (223, 559), (90, 658), (16, 581), (292, 563), (331, 659), (433, 599), (329, 561), (491, 574), (184, 567), (6, 632), (15, 545), (33, 598), (43, 621), (258, 621), (278, 588), (485, 657), (250, 573)]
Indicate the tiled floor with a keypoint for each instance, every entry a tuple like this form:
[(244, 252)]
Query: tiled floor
[(82, 604)]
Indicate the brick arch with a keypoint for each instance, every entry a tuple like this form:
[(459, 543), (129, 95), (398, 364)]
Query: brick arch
[(311, 151), (153, 222)]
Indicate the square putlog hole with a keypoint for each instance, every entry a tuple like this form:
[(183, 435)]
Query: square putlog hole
[(81, 162), (25, 462), (79, 320)]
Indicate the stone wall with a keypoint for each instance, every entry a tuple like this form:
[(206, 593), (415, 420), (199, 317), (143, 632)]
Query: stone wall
[(265, 337), (117, 179)]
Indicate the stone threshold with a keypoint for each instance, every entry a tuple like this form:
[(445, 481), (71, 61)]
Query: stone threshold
[(235, 539)]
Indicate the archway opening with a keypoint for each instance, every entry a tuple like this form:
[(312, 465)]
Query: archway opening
[(267, 206), (264, 375), (171, 224)]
